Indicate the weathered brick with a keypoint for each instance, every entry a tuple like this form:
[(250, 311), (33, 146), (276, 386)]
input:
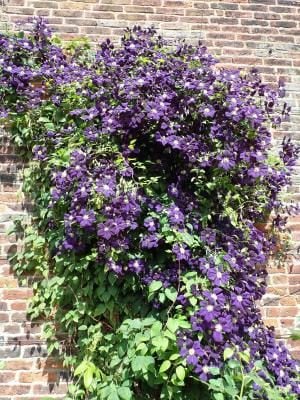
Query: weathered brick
[(52, 388), (67, 13), (12, 328), (252, 22), (100, 15), (6, 377), (288, 2), (201, 5), (225, 6), (266, 15), (81, 21), (283, 24), (22, 11), (12, 351), (283, 10), (174, 3), (18, 306), (3, 317), (108, 7), (34, 351), (44, 4), (131, 17), (225, 21), (17, 365), (138, 9), (19, 317), (263, 2), (14, 389), (145, 2), (39, 376)]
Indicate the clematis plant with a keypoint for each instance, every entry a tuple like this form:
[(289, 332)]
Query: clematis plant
[(149, 167)]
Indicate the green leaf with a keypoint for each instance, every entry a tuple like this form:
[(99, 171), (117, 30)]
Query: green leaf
[(180, 372), (171, 293), (81, 368), (216, 385), (245, 356), (172, 325), (228, 353), (174, 357), (125, 393), (187, 238), (214, 370), (165, 366), (155, 286), (82, 328), (100, 309), (88, 377), (156, 329), (218, 396), (114, 396), (233, 364), (142, 363)]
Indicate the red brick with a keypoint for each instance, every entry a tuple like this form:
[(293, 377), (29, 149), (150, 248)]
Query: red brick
[(13, 390), (6, 377), (131, 17), (146, 2), (4, 317), (289, 311), (39, 376), (12, 328), (16, 365), (17, 294)]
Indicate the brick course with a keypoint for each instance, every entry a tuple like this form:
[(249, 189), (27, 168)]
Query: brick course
[(243, 33)]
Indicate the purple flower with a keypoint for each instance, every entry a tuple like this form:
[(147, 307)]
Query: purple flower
[(176, 217), (208, 311), (181, 252), (150, 224), (208, 236), (40, 153), (115, 267), (208, 111), (106, 230), (257, 171), (106, 187), (86, 218), (223, 326), (149, 241), (191, 351), (218, 277), (136, 265)]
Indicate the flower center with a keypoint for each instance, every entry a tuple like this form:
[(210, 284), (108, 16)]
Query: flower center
[(191, 352)]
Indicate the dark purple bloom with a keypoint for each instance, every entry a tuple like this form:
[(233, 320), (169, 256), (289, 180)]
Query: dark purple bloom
[(40, 153), (136, 265), (217, 276), (86, 218), (176, 217), (181, 252), (149, 241), (150, 224)]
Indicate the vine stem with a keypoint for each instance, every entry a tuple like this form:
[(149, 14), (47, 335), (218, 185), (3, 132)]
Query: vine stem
[(178, 289), (242, 386)]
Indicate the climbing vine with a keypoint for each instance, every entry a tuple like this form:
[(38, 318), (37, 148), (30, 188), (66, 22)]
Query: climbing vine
[(148, 168)]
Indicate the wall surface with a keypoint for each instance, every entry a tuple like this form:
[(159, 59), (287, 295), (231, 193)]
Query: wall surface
[(264, 33)]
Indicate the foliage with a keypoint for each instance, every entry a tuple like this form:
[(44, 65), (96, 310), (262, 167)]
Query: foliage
[(148, 166)]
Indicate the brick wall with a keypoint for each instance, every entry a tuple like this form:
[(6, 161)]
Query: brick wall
[(265, 33)]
